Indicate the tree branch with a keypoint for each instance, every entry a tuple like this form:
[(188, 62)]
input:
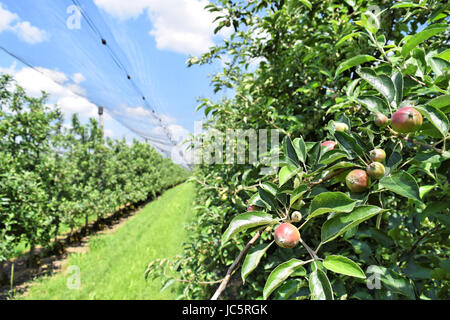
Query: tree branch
[(411, 140), (414, 246), (329, 176), (231, 269)]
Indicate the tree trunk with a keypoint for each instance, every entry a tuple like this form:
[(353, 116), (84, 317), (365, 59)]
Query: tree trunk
[(56, 232), (86, 224), (31, 256), (3, 276)]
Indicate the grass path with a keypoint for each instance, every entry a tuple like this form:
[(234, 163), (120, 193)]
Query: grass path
[(113, 268)]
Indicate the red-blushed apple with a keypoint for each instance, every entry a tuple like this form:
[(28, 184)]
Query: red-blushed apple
[(406, 119), (287, 235), (357, 180), (377, 155), (328, 145)]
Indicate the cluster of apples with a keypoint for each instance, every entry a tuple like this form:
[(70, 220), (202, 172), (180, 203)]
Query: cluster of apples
[(404, 120)]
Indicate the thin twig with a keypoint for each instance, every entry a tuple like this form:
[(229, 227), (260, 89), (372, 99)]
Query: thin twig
[(414, 246), (328, 177), (414, 141), (310, 251), (277, 127), (231, 269)]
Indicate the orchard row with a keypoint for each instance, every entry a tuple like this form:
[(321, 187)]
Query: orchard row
[(55, 178)]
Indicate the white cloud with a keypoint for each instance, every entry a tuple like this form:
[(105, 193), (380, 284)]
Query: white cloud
[(182, 26), (23, 29), (78, 78), (123, 9), (177, 132), (29, 33), (6, 18), (61, 91), (138, 112)]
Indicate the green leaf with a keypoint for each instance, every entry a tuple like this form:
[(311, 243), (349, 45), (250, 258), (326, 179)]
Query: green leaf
[(341, 165), (382, 83), (343, 265), (320, 286), (269, 187), (315, 154), (298, 193), (444, 55), (286, 173), (402, 183), (281, 273), (345, 38), (341, 222), (253, 258), (245, 221), (268, 198), (394, 281), (406, 5), (352, 62), (307, 3), (331, 156), (300, 149), (438, 65), (374, 104), (397, 79), (436, 117), (291, 154), (440, 102), (420, 37), (370, 21), (330, 202), (348, 143)]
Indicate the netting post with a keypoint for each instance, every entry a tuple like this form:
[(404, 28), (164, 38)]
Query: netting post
[(100, 116)]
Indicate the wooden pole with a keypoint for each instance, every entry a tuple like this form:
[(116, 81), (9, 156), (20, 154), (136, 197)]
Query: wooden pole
[(100, 115)]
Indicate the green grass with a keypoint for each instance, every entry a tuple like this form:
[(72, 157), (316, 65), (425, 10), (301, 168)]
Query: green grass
[(113, 268)]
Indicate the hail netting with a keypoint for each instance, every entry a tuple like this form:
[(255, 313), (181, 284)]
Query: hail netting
[(87, 52)]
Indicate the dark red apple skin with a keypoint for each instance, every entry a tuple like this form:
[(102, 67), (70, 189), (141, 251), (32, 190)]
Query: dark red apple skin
[(287, 235), (329, 144), (357, 180), (406, 120)]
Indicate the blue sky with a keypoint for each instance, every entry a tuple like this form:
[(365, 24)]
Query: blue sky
[(151, 38)]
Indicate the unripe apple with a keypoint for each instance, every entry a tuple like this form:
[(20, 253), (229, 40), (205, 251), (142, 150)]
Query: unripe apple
[(340, 126), (329, 145), (376, 170), (296, 216), (380, 120), (357, 180), (377, 155), (406, 120), (224, 197), (287, 235)]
